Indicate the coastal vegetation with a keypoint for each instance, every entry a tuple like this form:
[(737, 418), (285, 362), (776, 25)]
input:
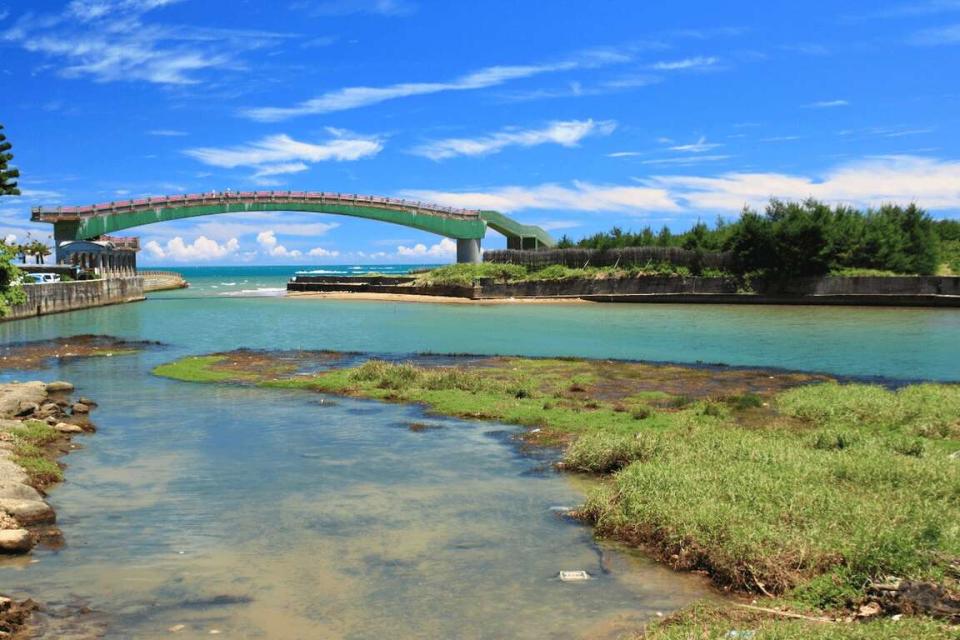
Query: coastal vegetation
[(808, 238), (791, 486)]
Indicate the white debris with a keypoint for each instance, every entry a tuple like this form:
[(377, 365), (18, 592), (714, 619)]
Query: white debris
[(574, 576)]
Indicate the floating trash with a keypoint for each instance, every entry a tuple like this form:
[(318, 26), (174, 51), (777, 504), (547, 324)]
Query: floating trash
[(574, 576)]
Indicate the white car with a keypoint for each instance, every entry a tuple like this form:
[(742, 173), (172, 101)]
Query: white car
[(43, 278)]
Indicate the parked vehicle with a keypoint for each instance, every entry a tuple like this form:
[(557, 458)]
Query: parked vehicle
[(44, 278)]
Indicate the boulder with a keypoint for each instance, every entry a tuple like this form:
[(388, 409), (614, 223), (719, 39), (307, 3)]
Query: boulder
[(19, 491), (87, 401), (26, 408), (59, 386), (66, 427), (48, 409), (79, 407), (15, 393), (28, 511), (15, 541)]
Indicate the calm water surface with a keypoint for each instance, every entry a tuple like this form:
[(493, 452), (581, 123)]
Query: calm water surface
[(286, 515)]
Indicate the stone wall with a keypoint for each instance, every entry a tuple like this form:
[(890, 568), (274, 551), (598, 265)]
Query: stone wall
[(934, 291), (56, 297)]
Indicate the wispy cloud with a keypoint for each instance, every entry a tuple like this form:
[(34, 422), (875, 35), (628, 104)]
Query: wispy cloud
[(827, 104), (699, 146), (581, 196), (348, 7), (110, 41), (166, 133), (356, 97), (698, 62), (567, 133), (930, 182), (686, 160), (937, 36), (781, 138), (280, 154)]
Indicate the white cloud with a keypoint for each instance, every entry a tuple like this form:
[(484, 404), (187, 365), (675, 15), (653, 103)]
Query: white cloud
[(355, 97), (282, 148), (201, 249), (932, 184), (827, 104), (10, 238), (268, 242), (320, 252), (698, 62), (446, 248), (686, 160), (937, 36), (565, 133), (110, 40), (347, 7), (166, 133), (699, 146), (280, 154), (582, 196)]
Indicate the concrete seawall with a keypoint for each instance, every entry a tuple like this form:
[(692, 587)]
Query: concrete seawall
[(57, 297), (933, 291)]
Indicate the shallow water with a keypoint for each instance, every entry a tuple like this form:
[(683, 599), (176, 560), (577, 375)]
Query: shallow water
[(271, 514)]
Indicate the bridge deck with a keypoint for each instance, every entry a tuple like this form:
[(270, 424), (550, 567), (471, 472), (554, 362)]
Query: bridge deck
[(58, 214)]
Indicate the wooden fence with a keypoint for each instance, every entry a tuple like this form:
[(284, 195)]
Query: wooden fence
[(627, 256)]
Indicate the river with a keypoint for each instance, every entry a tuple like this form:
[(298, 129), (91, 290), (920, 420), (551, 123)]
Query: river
[(273, 514)]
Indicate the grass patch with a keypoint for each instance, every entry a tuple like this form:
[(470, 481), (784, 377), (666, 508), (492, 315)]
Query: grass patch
[(713, 622), (197, 369), (770, 484), (29, 441)]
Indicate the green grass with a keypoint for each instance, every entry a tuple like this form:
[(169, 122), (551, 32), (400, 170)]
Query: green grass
[(466, 274), (196, 369), (28, 452), (713, 622), (807, 494)]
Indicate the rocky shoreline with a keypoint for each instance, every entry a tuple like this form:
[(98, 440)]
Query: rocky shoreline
[(37, 423)]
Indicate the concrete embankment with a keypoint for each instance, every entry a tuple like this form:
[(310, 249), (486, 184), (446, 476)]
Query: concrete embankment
[(162, 280), (57, 297), (931, 291)]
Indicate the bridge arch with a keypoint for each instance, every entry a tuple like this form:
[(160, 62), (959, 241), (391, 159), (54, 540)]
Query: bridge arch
[(466, 226)]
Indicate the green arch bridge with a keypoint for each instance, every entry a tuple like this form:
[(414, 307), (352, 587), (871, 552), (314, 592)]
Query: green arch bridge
[(466, 226)]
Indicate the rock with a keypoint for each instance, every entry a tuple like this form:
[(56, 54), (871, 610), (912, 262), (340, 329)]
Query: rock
[(47, 410), (59, 386), (79, 407), (28, 511), (26, 408), (66, 427), (87, 401), (13, 394), (19, 491), (51, 420), (15, 541)]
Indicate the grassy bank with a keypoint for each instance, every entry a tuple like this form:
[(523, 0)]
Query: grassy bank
[(29, 441), (466, 274), (786, 485)]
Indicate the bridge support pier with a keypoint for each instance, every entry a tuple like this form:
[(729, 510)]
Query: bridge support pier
[(468, 251)]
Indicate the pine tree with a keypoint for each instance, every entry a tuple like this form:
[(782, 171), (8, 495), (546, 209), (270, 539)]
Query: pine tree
[(8, 183)]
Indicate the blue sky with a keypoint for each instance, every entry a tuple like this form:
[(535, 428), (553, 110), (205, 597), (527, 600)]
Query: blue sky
[(576, 116)]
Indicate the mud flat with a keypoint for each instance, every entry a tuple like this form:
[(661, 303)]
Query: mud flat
[(39, 354), (832, 507)]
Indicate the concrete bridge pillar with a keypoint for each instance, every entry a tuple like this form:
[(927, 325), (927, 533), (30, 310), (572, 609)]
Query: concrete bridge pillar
[(469, 251)]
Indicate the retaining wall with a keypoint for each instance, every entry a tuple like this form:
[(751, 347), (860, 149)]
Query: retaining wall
[(56, 297), (931, 291)]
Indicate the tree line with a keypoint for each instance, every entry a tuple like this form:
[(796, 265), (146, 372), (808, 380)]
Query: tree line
[(808, 238)]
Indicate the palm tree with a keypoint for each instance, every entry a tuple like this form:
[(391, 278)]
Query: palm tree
[(40, 251)]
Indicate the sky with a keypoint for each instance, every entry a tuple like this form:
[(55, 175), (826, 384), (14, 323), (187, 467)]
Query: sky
[(576, 116)]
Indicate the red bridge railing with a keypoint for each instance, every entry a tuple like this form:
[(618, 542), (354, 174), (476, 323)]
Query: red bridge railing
[(224, 197)]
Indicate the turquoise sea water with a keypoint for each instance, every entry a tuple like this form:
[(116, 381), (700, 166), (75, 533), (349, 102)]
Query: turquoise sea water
[(269, 514)]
